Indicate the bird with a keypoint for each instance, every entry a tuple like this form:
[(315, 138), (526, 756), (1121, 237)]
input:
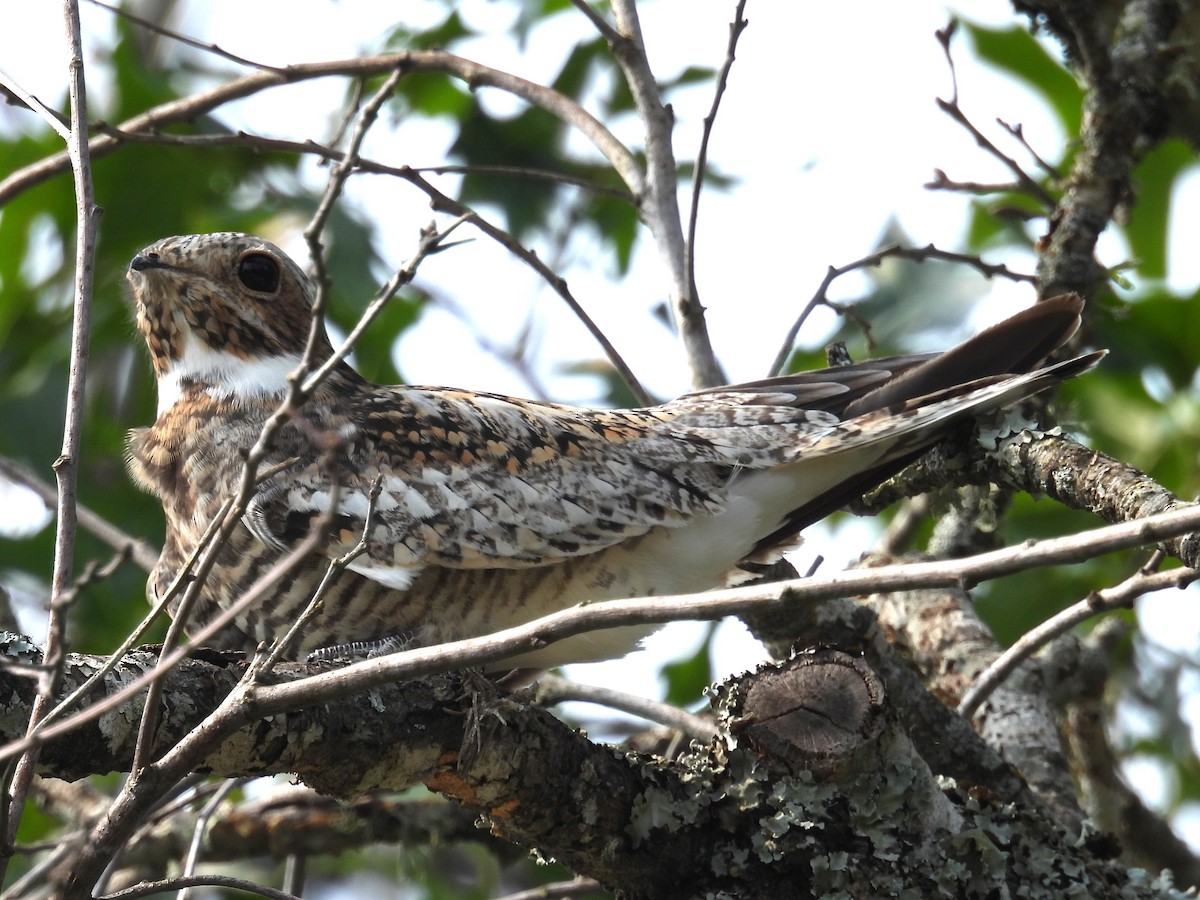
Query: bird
[(475, 511)]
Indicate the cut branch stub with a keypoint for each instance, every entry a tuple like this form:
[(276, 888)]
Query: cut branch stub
[(814, 712)]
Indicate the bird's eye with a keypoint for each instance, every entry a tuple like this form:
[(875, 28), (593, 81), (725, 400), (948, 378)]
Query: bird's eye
[(259, 272)]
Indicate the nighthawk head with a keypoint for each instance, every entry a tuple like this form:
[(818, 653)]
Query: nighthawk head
[(230, 311)]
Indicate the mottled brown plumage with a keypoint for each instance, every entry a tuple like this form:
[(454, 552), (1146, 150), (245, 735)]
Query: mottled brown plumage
[(495, 510)]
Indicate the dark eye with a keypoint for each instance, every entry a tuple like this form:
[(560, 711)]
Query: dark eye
[(259, 272)]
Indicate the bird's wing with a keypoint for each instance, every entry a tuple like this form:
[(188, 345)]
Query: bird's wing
[(470, 480)]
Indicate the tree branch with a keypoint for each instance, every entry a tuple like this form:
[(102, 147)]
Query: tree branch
[(475, 74), (633, 824), (66, 467), (1123, 116), (658, 202), (873, 260)]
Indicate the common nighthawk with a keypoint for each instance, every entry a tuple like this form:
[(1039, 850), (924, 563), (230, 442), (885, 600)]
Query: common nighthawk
[(496, 510)]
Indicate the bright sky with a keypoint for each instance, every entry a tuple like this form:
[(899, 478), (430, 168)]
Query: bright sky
[(829, 126)]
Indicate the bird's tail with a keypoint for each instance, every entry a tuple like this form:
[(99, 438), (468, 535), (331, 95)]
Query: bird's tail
[(891, 425)]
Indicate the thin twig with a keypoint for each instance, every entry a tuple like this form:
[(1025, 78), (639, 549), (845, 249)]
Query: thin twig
[(916, 254), (190, 580), (328, 152), (1095, 604), (293, 873), (184, 39), (736, 27), (329, 686), (600, 23), (333, 189), (66, 467), (93, 573), (203, 819), (552, 689), (525, 173), (150, 888), (943, 182), (576, 887), (952, 109), (1018, 132), (51, 117)]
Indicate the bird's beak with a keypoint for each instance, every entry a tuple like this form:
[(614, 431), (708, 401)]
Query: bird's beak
[(141, 263)]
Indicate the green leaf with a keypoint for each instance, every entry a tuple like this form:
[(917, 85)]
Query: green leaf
[(443, 36), (1154, 181), (687, 678), (1016, 52)]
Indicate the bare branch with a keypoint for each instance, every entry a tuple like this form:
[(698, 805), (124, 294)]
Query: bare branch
[(601, 24), (189, 108), (183, 38), (716, 604), (203, 820), (916, 254), (736, 27), (66, 467), (551, 690), (333, 189), (943, 182), (150, 888), (51, 117), (952, 109), (576, 887), (1018, 132), (1095, 604), (658, 200)]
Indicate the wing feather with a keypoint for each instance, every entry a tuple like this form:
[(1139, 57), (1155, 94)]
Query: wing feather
[(482, 481)]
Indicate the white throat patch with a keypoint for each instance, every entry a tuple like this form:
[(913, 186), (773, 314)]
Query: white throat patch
[(225, 374)]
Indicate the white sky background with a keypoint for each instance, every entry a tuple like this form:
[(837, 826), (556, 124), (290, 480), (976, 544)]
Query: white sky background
[(829, 125)]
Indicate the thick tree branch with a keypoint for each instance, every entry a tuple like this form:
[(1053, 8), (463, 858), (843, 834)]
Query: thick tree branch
[(360, 676), (950, 645), (1124, 71), (832, 771), (1044, 463)]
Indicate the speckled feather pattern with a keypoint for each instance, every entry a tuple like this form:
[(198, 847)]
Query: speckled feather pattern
[(493, 510)]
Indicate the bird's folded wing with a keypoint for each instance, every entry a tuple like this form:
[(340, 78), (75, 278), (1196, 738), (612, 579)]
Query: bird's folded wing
[(481, 481)]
